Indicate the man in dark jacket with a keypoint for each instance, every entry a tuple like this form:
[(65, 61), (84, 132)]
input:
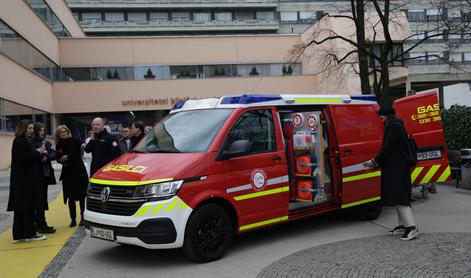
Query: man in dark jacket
[(125, 144), (47, 172), (137, 129), (103, 146), (395, 173)]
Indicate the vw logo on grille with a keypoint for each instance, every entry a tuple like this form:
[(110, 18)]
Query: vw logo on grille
[(105, 194)]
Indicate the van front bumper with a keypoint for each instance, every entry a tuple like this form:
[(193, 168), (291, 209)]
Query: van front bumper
[(156, 225)]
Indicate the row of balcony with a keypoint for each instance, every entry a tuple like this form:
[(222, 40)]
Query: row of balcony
[(157, 26), (75, 4)]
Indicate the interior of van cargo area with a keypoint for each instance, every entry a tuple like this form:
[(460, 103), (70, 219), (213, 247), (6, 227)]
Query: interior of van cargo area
[(306, 143)]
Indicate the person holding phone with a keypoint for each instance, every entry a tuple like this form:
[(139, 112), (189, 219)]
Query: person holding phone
[(25, 181), (47, 174)]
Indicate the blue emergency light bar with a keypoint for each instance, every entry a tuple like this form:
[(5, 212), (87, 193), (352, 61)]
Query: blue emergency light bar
[(248, 99), (365, 97), (178, 105)]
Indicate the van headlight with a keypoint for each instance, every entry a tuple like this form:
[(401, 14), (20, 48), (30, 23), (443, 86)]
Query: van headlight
[(164, 189)]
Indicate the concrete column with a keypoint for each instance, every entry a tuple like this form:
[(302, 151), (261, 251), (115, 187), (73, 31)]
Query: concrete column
[(408, 86), (441, 97)]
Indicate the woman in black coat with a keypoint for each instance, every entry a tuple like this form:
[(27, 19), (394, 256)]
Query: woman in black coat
[(25, 183), (74, 176), (48, 177), (395, 173)]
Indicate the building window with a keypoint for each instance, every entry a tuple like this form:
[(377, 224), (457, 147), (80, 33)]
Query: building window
[(454, 15), (265, 15), (467, 57), (20, 50), (223, 16), (433, 15), (435, 36), (456, 57), (454, 37), (114, 17), (307, 17), (91, 17), (417, 58), (435, 57), (159, 16), (49, 17), (289, 16), (181, 16), (419, 36), (202, 17), (137, 17), (416, 15), (244, 15), (12, 113)]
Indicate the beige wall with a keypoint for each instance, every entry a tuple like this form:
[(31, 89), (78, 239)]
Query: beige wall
[(63, 12), (24, 20), (175, 50), (108, 95), (6, 140), (21, 85)]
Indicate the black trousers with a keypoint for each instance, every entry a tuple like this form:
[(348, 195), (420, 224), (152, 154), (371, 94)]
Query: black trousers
[(40, 215), (23, 225), (73, 208)]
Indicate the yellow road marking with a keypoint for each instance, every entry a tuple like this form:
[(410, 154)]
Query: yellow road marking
[(29, 259)]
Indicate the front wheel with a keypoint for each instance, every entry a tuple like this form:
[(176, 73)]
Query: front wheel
[(208, 233)]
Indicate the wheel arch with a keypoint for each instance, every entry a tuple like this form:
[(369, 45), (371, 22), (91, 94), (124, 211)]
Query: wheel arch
[(228, 206)]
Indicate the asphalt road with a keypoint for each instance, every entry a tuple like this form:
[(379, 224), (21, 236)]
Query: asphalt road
[(447, 211)]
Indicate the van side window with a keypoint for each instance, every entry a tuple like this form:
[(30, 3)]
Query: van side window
[(257, 127)]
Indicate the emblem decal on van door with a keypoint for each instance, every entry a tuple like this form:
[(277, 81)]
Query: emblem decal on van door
[(258, 179)]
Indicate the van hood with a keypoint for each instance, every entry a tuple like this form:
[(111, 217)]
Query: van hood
[(143, 168)]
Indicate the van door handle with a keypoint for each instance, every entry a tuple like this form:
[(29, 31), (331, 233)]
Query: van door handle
[(347, 150), (276, 157)]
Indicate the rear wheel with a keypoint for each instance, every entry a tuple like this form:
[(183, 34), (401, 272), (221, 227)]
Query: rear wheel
[(208, 233), (368, 211)]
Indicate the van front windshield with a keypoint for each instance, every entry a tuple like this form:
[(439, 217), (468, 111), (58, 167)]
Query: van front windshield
[(184, 132)]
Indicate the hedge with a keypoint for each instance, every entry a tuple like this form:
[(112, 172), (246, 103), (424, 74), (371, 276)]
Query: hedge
[(457, 127)]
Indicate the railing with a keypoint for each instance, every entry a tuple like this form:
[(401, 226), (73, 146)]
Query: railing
[(254, 24)]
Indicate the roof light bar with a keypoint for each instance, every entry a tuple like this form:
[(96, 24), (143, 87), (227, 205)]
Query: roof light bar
[(248, 99)]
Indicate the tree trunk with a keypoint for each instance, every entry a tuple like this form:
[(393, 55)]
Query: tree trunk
[(362, 55)]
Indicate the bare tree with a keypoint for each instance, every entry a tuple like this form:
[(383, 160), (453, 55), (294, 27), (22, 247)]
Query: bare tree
[(374, 46)]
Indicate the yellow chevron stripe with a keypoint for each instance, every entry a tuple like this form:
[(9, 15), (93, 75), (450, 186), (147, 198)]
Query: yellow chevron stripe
[(361, 202), (263, 223), (444, 176), (172, 205), (262, 193), (416, 173), (127, 183), (362, 176), (430, 174), (143, 210), (157, 208), (182, 205)]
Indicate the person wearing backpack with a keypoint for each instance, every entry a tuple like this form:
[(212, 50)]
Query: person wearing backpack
[(395, 159)]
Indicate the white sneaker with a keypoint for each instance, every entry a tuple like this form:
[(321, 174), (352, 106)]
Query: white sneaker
[(36, 238), (410, 233), (18, 240)]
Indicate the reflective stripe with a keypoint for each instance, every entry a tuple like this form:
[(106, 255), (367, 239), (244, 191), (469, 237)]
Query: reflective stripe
[(143, 210), (273, 181), (361, 202), (354, 168), (430, 174), (362, 176), (416, 173), (262, 193), (127, 183), (445, 175), (183, 205), (318, 100), (262, 223), (172, 205), (157, 208)]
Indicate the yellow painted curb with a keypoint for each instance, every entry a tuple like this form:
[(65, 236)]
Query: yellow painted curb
[(29, 259)]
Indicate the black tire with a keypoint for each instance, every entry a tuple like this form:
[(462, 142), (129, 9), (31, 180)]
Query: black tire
[(368, 211), (208, 233)]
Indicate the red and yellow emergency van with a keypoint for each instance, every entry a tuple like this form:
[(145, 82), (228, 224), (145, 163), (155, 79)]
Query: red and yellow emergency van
[(214, 168)]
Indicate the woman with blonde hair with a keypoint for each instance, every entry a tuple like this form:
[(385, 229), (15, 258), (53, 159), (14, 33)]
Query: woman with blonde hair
[(74, 175)]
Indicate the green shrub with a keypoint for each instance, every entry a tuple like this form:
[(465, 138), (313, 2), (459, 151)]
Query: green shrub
[(457, 127)]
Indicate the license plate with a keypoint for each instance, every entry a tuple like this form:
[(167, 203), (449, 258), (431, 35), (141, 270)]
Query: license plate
[(429, 155), (102, 233)]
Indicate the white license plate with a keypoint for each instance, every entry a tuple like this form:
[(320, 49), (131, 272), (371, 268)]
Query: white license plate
[(102, 233), (429, 155)]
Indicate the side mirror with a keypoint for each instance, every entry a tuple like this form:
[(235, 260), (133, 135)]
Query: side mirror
[(237, 148)]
